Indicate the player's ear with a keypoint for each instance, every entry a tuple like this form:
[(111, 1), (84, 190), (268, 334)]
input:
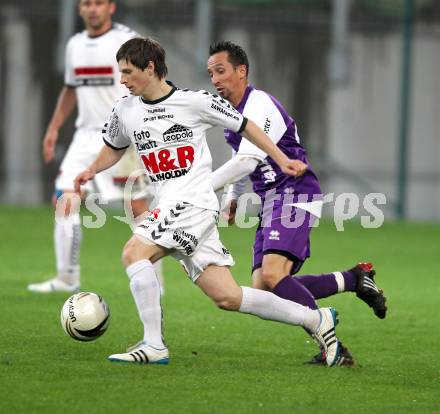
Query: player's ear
[(112, 7), (242, 71), (150, 68)]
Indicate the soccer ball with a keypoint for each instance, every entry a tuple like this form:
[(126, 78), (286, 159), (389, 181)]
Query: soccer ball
[(85, 316)]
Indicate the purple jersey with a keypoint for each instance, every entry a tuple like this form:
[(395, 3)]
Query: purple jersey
[(270, 116)]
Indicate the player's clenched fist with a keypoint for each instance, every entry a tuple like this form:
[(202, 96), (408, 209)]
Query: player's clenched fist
[(294, 167), (81, 179)]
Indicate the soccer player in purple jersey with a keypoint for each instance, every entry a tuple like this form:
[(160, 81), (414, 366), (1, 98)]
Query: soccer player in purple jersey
[(290, 204)]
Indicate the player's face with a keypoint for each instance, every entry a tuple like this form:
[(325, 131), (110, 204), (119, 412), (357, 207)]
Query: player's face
[(136, 80), (229, 81), (96, 13)]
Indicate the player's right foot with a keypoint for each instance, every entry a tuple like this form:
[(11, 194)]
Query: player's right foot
[(143, 354), (53, 285), (325, 336), (367, 289), (345, 359)]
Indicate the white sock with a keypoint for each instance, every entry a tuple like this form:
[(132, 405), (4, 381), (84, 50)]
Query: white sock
[(158, 268), (266, 305), (145, 289), (67, 240)]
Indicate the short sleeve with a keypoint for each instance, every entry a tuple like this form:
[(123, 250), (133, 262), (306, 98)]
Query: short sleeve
[(218, 112), (69, 74), (262, 110), (113, 134)]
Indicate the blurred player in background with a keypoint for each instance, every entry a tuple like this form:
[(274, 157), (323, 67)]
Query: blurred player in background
[(168, 127), (279, 249), (92, 82)]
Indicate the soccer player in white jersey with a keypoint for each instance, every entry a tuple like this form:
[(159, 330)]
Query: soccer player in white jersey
[(92, 81), (167, 126), (280, 248)]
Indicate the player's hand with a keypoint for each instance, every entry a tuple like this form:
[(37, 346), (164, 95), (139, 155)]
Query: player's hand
[(49, 143), (229, 211), (81, 179), (294, 167)]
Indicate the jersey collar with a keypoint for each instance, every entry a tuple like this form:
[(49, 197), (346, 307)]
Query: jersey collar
[(247, 91), (174, 89), (102, 34)]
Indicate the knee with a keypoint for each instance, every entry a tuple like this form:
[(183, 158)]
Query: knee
[(270, 277), (129, 254), (136, 249)]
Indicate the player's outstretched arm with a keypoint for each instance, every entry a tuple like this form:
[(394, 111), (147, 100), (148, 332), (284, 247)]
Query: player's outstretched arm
[(232, 171), (65, 104), (256, 135), (107, 157)]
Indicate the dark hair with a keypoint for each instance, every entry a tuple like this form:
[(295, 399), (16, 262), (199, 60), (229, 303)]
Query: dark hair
[(140, 51), (236, 54)]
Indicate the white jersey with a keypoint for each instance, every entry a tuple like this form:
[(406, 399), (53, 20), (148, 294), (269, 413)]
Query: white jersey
[(169, 135), (92, 69)]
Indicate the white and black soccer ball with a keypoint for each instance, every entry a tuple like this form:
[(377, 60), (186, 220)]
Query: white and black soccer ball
[(85, 316)]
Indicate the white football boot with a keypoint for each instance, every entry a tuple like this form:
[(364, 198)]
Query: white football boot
[(135, 346), (325, 336), (143, 354), (53, 285)]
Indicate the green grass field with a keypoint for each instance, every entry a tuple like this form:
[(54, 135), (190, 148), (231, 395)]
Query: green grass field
[(220, 362)]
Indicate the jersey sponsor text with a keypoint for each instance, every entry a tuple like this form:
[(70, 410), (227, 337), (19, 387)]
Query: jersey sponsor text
[(168, 163), (224, 111)]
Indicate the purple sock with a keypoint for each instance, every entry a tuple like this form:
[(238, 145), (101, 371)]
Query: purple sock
[(325, 285), (350, 280), (321, 286), (289, 288)]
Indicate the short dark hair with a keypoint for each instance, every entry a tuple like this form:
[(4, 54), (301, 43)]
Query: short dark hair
[(236, 54), (140, 51)]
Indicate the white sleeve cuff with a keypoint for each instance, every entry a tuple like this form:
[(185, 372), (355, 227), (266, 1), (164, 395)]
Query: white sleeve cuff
[(237, 189)]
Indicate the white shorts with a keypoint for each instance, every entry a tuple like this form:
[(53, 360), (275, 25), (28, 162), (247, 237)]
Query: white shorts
[(190, 233), (110, 184)]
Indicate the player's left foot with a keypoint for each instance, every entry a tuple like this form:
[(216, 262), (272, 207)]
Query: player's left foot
[(345, 359), (143, 354), (367, 289)]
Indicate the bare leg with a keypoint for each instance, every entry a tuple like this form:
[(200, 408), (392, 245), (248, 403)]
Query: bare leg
[(217, 283)]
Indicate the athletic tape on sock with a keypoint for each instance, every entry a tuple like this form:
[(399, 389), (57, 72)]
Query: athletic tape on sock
[(340, 281)]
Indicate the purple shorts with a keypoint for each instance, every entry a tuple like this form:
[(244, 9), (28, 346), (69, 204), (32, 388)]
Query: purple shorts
[(287, 233)]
